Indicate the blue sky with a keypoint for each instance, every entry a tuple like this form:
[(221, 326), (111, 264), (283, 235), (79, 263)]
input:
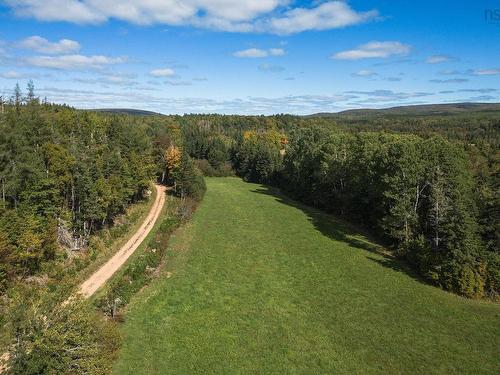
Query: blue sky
[(251, 57)]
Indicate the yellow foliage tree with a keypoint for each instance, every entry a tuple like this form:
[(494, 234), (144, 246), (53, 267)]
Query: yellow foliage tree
[(172, 158), (248, 134)]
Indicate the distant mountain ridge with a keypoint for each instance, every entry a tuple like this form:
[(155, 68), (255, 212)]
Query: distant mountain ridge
[(422, 110), (126, 111), (410, 110)]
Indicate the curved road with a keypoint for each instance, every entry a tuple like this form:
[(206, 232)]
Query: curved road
[(103, 274)]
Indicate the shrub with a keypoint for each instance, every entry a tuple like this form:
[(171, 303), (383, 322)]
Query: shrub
[(492, 276), (60, 338), (223, 170)]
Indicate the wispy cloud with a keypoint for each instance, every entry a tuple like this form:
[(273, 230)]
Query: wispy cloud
[(364, 73), (149, 98), (437, 59), (117, 79), (392, 79), (42, 45), (374, 49), (255, 53), (73, 62), (482, 98), (16, 75), (12, 74), (298, 104), (487, 72), (178, 83), (450, 72), (472, 72), (389, 95), (451, 80), (164, 72), (482, 91), (269, 68), (276, 51)]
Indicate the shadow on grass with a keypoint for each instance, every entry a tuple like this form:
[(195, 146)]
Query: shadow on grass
[(343, 231)]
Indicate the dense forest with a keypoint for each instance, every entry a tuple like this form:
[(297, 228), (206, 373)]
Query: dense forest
[(66, 174), (428, 184)]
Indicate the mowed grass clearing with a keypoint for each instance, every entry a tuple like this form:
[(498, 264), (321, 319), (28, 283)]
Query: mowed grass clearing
[(257, 283)]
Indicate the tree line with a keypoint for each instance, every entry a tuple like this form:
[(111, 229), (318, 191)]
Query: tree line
[(65, 174), (432, 193), (428, 184)]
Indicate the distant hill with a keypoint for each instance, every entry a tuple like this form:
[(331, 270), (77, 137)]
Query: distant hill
[(410, 110), (416, 110), (126, 111)]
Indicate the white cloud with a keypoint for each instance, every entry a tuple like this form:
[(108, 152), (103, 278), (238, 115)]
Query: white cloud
[(450, 72), (374, 50), (329, 15), (273, 16), (487, 72), (271, 68), (364, 73), (57, 10), (12, 75), (254, 53), (276, 51), (251, 53), (73, 62), (42, 45), (178, 83), (106, 78), (436, 59), (381, 96), (471, 72), (165, 72)]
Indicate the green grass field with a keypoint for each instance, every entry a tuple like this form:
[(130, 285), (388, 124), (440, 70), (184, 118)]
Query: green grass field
[(257, 283)]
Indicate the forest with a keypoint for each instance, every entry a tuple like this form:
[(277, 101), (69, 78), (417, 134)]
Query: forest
[(425, 186), (66, 174)]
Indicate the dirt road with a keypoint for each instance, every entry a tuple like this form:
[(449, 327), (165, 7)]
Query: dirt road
[(103, 274)]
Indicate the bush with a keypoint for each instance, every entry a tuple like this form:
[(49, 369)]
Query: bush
[(492, 277), (470, 282), (224, 170), (60, 338)]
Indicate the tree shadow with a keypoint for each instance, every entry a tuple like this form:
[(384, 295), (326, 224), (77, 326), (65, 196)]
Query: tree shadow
[(343, 231)]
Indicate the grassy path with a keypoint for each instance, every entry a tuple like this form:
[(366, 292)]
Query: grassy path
[(259, 284)]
